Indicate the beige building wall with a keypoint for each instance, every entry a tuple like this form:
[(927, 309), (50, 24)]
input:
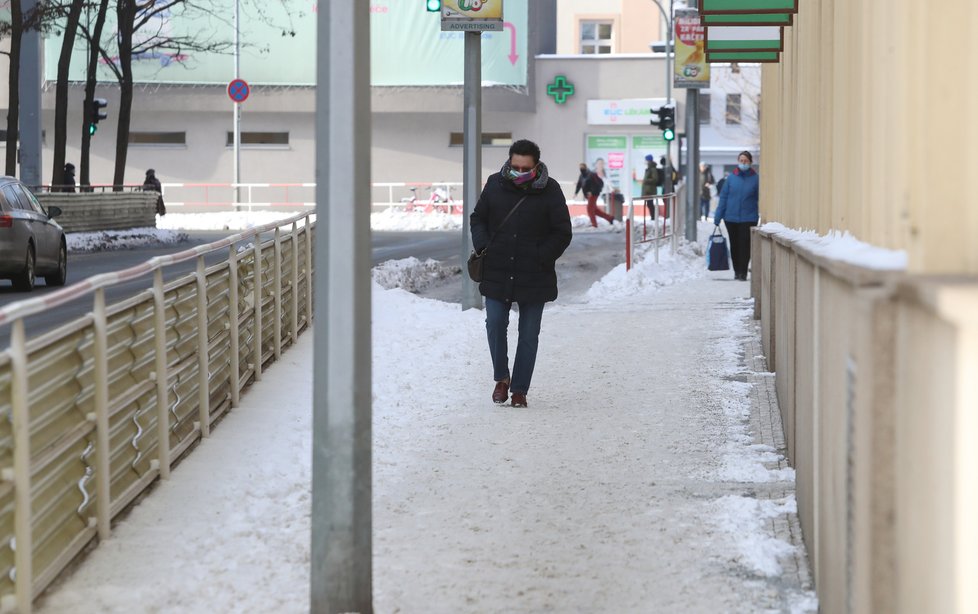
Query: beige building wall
[(867, 127), (635, 24)]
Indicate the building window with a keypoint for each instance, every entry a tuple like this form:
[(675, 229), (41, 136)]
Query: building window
[(704, 107), (733, 109), (260, 139), (596, 37), (489, 139), (158, 138)]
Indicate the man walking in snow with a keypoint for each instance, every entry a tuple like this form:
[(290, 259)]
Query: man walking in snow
[(522, 223)]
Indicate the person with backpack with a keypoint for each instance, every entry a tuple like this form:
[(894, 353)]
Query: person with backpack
[(738, 211)]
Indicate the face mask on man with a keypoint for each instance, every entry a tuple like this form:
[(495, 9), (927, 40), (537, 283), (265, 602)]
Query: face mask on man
[(744, 167), (521, 177)]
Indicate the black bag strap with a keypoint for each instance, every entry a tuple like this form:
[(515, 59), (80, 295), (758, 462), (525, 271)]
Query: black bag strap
[(503, 223)]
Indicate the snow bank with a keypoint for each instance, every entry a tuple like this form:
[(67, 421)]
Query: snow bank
[(844, 247), (647, 275), (412, 274), (121, 239)]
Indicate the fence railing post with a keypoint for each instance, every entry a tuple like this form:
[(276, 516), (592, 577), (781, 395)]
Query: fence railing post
[(308, 274), (233, 326), (203, 379), (162, 377), (257, 300), (103, 473), (20, 412), (277, 320), (294, 283)]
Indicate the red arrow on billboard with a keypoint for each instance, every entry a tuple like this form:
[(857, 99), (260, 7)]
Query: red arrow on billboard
[(512, 43)]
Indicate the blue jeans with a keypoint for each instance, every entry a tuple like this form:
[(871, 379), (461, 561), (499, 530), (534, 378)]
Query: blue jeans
[(497, 321), (705, 207)]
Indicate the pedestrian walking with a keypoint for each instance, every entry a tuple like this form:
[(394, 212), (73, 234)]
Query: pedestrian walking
[(523, 214), (68, 178), (152, 184), (650, 182), (593, 185), (581, 178), (721, 182), (738, 211), (706, 182)]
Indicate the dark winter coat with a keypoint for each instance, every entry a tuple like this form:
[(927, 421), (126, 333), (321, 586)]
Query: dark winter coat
[(593, 184), (738, 198), (519, 264), (152, 184), (650, 183)]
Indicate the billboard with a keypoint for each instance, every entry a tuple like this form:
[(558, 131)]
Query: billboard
[(407, 46), (691, 68)]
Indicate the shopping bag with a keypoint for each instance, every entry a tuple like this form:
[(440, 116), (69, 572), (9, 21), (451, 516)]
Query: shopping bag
[(717, 254)]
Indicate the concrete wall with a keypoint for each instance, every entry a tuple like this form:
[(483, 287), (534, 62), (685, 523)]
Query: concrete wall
[(109, 211), (876, 382), (866, 124)]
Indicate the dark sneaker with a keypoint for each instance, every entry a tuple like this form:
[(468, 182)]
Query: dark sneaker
[(519, 399), (500, 393)]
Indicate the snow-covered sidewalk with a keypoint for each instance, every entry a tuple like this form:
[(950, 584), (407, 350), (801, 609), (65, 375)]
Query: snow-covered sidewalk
[(632, 483)]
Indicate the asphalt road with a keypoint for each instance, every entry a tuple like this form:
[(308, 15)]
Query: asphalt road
[(445, 246)]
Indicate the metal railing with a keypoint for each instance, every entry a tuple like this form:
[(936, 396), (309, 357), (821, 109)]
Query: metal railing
[(102, 406), (663, 226)]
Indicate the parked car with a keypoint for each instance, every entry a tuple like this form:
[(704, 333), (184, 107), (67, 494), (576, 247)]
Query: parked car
[(31, 242)]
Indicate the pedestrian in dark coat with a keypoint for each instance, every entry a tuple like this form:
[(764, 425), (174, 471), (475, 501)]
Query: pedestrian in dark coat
[(581, 178), (519, 264), (152, 184), (68, 180), (738, 211)]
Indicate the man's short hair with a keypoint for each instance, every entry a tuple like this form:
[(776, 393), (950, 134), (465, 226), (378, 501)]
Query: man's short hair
[(524, 147)]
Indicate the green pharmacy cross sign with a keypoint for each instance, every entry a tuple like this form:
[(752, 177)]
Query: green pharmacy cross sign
[(560, 89)]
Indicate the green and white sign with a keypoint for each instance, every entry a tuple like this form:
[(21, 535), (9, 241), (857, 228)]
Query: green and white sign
[(622, 159), (748, 6), (748, 19), (725, 38), (407, 46)]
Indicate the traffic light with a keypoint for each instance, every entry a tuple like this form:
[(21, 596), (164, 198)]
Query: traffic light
[(95, 113), (433, 6), (667, 122)]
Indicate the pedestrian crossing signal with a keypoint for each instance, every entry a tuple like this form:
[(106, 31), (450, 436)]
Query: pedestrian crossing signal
[(433, 6)]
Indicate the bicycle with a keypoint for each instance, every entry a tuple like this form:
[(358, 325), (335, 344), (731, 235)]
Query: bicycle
[(439, 200)]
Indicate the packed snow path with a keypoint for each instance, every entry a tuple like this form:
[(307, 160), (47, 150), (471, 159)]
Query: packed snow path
[(630, 484)]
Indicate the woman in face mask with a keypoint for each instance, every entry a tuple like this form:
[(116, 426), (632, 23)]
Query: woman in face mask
[(738, 211)]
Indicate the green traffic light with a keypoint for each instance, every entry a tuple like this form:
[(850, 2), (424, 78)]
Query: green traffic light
[(669, 135), (433, 6), (92, 128)]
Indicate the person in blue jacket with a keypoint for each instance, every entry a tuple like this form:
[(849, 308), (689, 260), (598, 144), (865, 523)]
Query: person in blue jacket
[(738, 211)]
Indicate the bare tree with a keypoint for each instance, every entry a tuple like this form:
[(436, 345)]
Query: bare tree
[(13, 85), (73, 15)]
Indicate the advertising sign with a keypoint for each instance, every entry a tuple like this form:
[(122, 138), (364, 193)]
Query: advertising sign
[(633, 111), (602, 153), (691, 69), (472, 15), (407, 46)]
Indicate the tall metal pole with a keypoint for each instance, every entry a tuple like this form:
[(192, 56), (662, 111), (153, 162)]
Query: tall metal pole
[(670, 58), (341, 553), (237, 105), (471, 157), (30, 103), (692, 162)]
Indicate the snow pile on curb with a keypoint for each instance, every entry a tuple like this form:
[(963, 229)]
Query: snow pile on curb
[(744, 518), (843, 247), (104, 240), (412, 274), (647, 276)]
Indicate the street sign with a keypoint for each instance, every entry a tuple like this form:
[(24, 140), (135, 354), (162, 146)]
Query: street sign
[(472, 16), (238, 90)]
